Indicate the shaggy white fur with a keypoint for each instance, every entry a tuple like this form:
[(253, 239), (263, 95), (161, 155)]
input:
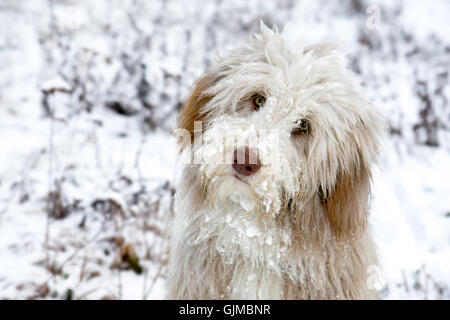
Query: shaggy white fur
[(297, 227)]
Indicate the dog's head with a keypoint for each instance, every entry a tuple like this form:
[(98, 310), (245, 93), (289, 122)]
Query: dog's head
[(283, 128)]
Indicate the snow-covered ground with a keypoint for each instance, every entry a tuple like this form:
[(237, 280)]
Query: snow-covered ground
[(89, 94)]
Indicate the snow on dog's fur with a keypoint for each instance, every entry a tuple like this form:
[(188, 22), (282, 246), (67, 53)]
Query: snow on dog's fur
[(297, 227)]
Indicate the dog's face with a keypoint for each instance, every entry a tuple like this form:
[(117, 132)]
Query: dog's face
[(282, 129)]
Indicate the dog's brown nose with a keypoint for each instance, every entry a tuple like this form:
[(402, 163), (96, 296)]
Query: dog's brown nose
[(246, 161)]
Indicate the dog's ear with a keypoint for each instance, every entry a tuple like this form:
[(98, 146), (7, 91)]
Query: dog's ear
[(192, 110), (347, 192), (347, 205)]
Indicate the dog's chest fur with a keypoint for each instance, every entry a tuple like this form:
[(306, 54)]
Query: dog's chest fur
[(237, 255)]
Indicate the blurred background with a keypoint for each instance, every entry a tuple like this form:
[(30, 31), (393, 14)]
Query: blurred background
[(89, 95)]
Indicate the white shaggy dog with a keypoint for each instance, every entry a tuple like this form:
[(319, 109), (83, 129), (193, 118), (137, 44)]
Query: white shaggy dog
[(273, 203)]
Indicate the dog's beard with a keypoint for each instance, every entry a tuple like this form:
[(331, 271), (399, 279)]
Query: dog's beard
[(226, 190)]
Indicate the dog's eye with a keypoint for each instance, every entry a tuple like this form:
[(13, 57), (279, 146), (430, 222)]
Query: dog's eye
[(302, 128), (258, 101)]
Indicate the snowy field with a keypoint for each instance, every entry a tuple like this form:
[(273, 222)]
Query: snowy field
[(89, 94)]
